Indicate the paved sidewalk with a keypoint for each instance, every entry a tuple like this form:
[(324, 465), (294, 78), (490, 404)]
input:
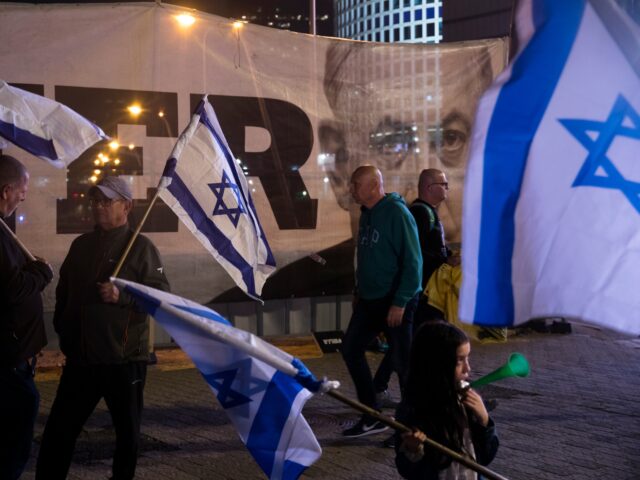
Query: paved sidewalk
[(576, 417)]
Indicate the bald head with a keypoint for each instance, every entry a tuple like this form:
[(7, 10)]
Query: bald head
[(367, 187), (432, 186), (428, 176)]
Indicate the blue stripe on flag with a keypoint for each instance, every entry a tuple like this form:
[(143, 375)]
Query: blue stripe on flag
[(248, 202), (293, 469), (204, 119), (38, 146), (518, 111), (270, 419), (538, 13), (205, 225), (271, 260), (211, 315)]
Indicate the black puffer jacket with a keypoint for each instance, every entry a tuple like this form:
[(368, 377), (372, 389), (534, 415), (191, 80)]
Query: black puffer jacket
[(93, 332)]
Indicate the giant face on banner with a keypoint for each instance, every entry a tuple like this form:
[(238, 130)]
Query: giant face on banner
[(299, 114), (404, 109)]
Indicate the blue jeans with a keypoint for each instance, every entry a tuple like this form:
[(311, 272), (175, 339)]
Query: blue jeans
[(368, 319), (19, 403)]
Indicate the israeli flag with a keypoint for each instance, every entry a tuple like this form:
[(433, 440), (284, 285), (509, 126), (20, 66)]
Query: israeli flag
[(552, 196), (262, 388), (44, 127), (204, 185)]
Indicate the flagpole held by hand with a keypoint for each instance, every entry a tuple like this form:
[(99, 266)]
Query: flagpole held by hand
[(126, 253), (465, 460), (135, 234), (210, 341), (24, 249)]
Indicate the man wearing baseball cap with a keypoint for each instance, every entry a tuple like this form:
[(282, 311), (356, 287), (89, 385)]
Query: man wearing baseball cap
[(102, 334)]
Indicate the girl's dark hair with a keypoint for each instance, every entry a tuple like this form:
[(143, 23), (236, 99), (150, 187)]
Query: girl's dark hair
[(431, 391)]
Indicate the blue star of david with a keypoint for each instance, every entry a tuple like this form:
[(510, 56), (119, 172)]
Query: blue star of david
[(221, 207), (590, 175), (240, 374)]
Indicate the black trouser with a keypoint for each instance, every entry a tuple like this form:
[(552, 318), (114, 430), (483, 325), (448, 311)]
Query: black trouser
[(19, 400), (368, 319), (425, 313), (80, 390)]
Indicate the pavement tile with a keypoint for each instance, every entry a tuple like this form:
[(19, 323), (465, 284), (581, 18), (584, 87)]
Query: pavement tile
[(576, 417)]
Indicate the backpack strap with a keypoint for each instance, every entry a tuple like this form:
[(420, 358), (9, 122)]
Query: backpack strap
[(430, 213)]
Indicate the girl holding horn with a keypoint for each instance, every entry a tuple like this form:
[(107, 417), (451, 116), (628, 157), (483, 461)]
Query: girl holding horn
[(434, 407)]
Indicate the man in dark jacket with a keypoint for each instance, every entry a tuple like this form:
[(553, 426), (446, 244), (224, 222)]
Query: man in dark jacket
[(22, 333), (102, 334), (433, 188)]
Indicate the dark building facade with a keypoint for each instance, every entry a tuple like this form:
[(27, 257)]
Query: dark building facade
[(284, 14), (475, 20)]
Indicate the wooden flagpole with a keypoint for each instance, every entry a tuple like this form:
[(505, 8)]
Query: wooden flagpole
[(17, 240), (465, 460)]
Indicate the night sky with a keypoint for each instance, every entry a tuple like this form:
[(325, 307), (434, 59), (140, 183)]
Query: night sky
[(237, 8)]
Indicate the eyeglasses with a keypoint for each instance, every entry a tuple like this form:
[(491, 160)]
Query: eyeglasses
[(102, 202), (444, 184)]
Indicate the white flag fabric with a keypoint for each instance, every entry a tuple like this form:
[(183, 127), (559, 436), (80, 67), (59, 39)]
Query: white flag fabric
[(203, 184), (262, 388), (44, 127), (552, 193)]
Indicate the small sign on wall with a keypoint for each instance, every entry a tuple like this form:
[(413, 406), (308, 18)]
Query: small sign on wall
[(329, 341)]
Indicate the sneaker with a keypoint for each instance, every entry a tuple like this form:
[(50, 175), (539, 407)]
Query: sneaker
[(390, 442), (362, 429), (384, 400)]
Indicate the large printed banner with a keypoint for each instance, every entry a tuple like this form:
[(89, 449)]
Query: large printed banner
[(299, 112)]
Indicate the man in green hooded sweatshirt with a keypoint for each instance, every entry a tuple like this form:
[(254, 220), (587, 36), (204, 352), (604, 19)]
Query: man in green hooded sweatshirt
[(388, 281)]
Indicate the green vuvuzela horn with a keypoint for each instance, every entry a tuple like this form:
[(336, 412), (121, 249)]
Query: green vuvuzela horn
[(516, 366)]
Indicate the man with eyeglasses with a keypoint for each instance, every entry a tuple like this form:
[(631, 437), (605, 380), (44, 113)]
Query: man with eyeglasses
[(433, 188), (104, 337), (22, 331)]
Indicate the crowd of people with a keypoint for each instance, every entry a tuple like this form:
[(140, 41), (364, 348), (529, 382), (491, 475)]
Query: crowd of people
[(398, 249), (105, 338)]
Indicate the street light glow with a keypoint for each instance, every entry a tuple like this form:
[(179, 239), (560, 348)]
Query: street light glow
[(135, 109), (185, 19), (114, 145)]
